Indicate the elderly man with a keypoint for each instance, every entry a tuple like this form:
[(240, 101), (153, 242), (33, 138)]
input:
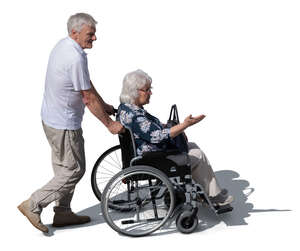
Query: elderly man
[(68, 89)]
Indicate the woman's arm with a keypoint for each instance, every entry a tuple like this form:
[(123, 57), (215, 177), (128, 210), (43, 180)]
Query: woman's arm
[(149, 130), (189, 121)]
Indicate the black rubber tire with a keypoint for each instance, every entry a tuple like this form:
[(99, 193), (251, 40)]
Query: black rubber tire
[(186, 223)]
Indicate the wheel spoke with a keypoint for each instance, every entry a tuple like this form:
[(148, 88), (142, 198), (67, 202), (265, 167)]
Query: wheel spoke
[(118, 167), (114, 160), (117, 157), (105, 168)]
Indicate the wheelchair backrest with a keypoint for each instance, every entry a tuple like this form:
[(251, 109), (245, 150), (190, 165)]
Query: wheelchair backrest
[(128, 148)]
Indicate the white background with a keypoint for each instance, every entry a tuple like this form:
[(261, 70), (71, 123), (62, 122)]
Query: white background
[(235, 61)]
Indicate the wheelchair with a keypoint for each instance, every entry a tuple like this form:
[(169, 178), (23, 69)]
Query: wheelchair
[(139, 194)]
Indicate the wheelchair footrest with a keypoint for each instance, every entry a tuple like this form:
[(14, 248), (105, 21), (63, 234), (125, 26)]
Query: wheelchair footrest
[(223, 209)]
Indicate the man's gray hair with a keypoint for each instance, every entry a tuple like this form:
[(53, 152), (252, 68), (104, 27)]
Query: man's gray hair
[(132, 82), (78, 20)]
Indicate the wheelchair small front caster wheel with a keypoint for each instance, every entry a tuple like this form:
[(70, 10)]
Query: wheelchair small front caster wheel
[(186, 223)]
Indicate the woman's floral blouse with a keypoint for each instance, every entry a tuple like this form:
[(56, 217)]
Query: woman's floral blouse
[(148, 132)]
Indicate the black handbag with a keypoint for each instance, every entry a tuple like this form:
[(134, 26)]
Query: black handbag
[(179, 142)]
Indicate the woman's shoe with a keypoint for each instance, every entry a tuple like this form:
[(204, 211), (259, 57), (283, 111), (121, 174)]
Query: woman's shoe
[(222, 198)]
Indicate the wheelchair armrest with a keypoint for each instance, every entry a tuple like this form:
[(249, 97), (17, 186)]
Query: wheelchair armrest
[(160, 161), (154, 155), (173, 152), (159, 154)]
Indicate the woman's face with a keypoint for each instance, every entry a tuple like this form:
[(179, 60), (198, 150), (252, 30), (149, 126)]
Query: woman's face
[(144, 95)]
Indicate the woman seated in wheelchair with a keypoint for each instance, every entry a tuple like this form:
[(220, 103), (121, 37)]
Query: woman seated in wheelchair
[(151, 135)]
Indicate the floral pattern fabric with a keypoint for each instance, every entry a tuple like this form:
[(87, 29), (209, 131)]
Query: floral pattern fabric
[(148, 132)]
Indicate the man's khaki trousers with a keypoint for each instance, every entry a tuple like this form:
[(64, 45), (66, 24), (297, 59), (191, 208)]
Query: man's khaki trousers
[(68, 161)]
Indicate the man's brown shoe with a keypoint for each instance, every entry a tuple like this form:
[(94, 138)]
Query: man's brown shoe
[(34, 218), (64, 218)]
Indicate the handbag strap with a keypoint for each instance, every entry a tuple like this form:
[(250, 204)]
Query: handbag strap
[(174, 113)]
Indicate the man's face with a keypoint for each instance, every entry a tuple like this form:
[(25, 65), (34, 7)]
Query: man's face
[(85, 37)]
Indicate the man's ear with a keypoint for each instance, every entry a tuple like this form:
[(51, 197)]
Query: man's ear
[(74, 34)]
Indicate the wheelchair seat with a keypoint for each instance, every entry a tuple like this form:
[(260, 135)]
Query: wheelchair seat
[(156, 159)]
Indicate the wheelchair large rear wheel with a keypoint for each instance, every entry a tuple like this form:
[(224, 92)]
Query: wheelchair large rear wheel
[(106, 166), (142, 189)]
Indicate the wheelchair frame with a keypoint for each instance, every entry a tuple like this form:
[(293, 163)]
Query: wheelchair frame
[(150, 182)]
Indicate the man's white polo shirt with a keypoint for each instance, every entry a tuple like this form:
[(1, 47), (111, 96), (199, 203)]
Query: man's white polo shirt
[(67, 74)]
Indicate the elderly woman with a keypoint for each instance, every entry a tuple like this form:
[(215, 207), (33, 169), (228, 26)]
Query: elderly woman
[(151, 135)]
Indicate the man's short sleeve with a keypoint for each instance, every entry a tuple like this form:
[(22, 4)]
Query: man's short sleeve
[(80, 76)]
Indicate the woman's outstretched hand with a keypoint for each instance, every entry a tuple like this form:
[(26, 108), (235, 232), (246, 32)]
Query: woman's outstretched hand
[(190, 120)]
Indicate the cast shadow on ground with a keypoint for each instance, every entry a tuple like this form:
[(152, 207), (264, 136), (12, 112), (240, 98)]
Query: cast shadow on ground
[(239, 188)]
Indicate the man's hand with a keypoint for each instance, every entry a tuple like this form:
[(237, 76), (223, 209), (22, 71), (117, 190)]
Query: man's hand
[(116, 127), (189, 121)]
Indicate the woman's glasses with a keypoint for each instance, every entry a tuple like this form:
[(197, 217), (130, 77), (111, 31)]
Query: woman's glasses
[(146, 90)]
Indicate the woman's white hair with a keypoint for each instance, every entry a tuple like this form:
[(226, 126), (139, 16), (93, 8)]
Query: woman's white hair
[(78, 20), (132, 82)]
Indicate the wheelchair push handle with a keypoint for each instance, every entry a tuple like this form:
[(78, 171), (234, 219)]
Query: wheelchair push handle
[(114, 112)]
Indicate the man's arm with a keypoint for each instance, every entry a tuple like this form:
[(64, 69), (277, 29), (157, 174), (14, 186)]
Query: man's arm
[(108, 108), (96, 105)]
